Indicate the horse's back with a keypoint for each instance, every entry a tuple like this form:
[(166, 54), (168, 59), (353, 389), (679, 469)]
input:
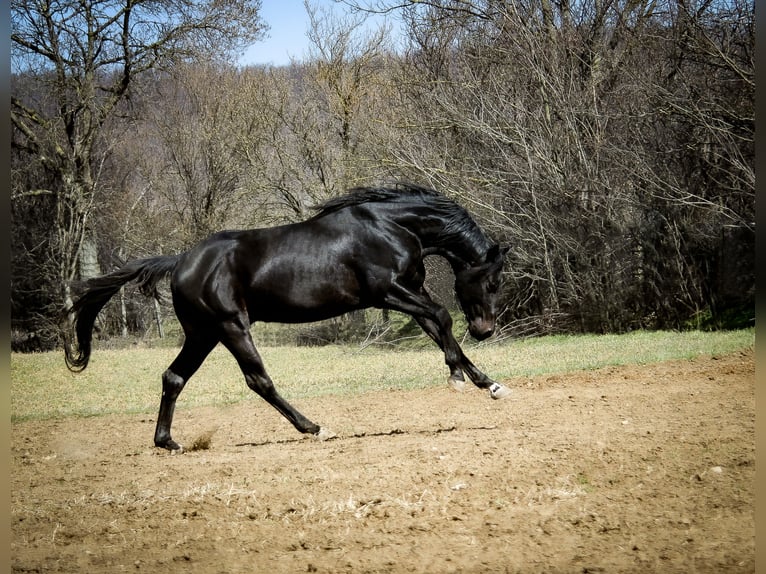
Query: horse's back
[(300, 272), (304, 272)]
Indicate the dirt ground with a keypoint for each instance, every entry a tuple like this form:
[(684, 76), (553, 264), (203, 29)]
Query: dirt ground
[(624, 469)]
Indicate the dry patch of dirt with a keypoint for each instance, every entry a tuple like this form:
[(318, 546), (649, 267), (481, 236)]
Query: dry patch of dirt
[(624, 469)]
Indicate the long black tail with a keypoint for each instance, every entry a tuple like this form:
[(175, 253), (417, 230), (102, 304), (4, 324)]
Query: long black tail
[(146, 272)]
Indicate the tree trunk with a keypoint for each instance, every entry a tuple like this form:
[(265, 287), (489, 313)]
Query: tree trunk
[(158, 319), (89, 266)]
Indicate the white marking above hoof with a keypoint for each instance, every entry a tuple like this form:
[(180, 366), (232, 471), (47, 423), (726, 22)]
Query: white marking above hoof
[(324, 434), (179, 450), (498, 391), (457, 385)]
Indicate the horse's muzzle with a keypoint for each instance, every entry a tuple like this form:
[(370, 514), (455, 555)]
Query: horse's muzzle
[(481, 329)]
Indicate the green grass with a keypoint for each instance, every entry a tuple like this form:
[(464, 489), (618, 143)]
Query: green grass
[(128, 380)]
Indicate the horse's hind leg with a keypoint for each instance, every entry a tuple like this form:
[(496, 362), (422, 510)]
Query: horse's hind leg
[(193, 353), (239, 342)]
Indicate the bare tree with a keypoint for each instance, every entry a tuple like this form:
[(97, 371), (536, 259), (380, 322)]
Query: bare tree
[(607, 141), (199, 162), (346, 57), (84, 57), (317, 116)]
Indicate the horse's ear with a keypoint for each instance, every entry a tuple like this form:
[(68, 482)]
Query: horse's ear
[(496, 254)]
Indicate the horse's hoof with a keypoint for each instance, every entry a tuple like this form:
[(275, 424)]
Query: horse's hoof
[(498, 391), (172, 446), (456, 384), (324, 434)]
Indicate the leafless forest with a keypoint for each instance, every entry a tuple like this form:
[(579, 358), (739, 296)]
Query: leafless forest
[(608, 142)]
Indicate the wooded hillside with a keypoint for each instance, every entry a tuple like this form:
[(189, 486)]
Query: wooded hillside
[(610, 143)]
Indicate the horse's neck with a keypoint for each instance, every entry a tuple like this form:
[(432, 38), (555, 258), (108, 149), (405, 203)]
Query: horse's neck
[(461, 250), (459, 256)]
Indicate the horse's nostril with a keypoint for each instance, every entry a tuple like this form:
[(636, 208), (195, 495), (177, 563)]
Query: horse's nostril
[(481, 330), (485, 335)]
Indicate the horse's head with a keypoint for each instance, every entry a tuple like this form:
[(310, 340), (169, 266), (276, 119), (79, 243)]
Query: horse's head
[(477, 289)]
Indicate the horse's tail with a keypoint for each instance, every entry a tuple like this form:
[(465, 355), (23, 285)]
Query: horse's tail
[(146, 272)]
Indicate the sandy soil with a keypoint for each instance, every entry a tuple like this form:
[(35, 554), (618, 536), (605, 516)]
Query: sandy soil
[(625, 469)]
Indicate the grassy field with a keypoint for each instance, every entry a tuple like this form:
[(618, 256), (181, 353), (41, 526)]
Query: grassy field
[(128, 380)]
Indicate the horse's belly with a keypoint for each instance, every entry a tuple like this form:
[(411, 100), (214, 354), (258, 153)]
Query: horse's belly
[(303, 301)]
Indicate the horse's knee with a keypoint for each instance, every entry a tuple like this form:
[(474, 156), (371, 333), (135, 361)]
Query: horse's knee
[(172, 384), (444, 319), (452, 359)]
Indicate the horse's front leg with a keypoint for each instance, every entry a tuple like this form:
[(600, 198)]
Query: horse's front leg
[(455, 361), (462, 363), (456, 378), (435, 320)]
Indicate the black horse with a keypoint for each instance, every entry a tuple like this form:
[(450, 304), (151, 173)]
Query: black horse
[(362, 250)]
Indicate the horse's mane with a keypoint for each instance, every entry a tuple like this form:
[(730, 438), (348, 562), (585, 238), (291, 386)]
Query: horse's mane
[(457, 222), (395, 193)]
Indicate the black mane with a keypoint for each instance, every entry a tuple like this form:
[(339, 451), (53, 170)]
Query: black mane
[(398, 192), (459, 227)]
